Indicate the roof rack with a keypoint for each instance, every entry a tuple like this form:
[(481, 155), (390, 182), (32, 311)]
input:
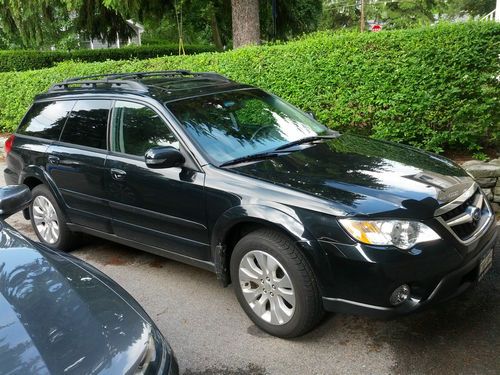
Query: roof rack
[(128, 81), (93, 84), (160, 73)]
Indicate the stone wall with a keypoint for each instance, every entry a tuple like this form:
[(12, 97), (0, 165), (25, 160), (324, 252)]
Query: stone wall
[(487, 175), (2, 147)]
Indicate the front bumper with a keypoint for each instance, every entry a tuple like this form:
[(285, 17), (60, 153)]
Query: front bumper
[(379, 279)]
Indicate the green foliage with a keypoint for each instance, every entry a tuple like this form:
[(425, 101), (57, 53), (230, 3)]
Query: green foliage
[(394, 14), (201, 21), (336, 15), (433, 87), (472, 7), (407, 14), (480, 156), (400, 14), (32, 23), (293, 17), (42, 23), (20, 60), (94, 20)]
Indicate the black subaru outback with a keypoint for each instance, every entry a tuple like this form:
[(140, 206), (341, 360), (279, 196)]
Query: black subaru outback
[(227, 177)]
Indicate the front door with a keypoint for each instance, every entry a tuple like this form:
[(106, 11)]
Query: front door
[(163, 208)]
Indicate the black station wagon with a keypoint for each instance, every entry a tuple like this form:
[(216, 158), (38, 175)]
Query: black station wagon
[(227, 177)]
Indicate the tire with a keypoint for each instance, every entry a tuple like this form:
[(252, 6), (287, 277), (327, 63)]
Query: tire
[(268, 301), (45, 214)]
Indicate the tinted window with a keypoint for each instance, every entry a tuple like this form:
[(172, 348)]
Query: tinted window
[(137, 128), (46, 120), (86, 125)]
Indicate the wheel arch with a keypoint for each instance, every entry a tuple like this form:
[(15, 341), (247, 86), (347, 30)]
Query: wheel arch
[(237, 222), (33, 176)]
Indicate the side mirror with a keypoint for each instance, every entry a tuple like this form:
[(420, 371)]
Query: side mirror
[(13, 198), (164, 157)]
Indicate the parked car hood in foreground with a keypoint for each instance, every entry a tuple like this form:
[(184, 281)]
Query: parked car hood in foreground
[(57, 317), (366, 176)]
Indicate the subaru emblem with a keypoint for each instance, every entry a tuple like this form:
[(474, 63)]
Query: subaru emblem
[(476, 214)]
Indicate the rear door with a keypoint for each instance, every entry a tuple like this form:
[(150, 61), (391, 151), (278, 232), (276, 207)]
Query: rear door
[(76, 163), (164, 208), (41, 126)]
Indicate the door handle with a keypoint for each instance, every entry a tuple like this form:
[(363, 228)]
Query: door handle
[(70, 163), (118, 174), (53, 159), (58, 161)]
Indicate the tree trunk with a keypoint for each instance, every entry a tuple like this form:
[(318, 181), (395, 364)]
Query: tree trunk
[(215, 33), (246, 25)]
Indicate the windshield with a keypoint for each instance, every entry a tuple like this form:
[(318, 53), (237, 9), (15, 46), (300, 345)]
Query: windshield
[(235, 124)]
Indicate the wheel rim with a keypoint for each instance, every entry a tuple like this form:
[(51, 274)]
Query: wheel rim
[(45, 219), (267, 288)]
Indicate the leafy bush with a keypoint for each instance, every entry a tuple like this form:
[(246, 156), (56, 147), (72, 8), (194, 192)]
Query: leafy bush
[(29, 60), (434, 88)]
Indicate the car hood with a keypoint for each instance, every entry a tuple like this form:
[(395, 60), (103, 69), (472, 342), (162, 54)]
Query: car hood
[(57, 317), (364, 176)]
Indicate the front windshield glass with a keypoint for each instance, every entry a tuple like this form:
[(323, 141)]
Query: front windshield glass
[(235, 124)]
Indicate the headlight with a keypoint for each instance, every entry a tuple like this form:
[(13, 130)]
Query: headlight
[(399, 233)]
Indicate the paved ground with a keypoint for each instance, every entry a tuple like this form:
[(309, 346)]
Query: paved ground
[(211, 335)]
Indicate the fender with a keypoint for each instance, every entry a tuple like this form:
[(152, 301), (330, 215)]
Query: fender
[(268, 216), (41, 174)]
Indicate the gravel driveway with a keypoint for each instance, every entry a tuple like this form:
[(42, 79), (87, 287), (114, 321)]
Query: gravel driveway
[(211, 335)]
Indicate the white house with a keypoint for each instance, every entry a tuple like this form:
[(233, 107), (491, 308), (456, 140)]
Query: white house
[(137, 28)]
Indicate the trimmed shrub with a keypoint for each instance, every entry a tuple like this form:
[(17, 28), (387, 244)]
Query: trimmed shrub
[(30, 60), (434, 88)]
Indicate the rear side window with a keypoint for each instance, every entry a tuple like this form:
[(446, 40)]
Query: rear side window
[(86, 125), (46, 120)]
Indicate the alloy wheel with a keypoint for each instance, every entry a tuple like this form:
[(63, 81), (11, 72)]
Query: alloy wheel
[(45, 219), (267, 287)]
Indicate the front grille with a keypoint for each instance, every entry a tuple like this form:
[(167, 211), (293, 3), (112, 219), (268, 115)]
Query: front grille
[(464, 231), (467, 218)]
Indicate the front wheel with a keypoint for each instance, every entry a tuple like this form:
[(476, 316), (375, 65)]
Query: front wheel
[(48, 220), (275, 284)]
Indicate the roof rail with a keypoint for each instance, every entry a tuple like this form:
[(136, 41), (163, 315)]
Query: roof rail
[(160, 73), (128, 81), (93, 84), (213, 75), (173, 73)]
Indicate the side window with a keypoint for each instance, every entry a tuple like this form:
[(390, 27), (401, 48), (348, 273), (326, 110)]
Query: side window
[(46, 120), (137, 128), (87, 123)]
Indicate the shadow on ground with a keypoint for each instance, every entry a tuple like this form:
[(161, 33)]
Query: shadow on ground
[(212, 336), (458, 336)]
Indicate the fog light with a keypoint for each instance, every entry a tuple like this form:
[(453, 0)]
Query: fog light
[(400, 294)]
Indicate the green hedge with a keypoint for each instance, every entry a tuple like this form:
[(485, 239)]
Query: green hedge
[(434, 87), (20, 60)]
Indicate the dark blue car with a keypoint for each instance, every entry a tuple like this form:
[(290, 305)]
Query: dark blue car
[(59, 315)]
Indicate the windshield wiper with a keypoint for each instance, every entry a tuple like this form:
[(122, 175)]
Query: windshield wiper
[(307, 140), (279, 150), (257, 156)]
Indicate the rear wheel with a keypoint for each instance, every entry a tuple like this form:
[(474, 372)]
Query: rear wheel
[(48, 221), (275, 284)]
